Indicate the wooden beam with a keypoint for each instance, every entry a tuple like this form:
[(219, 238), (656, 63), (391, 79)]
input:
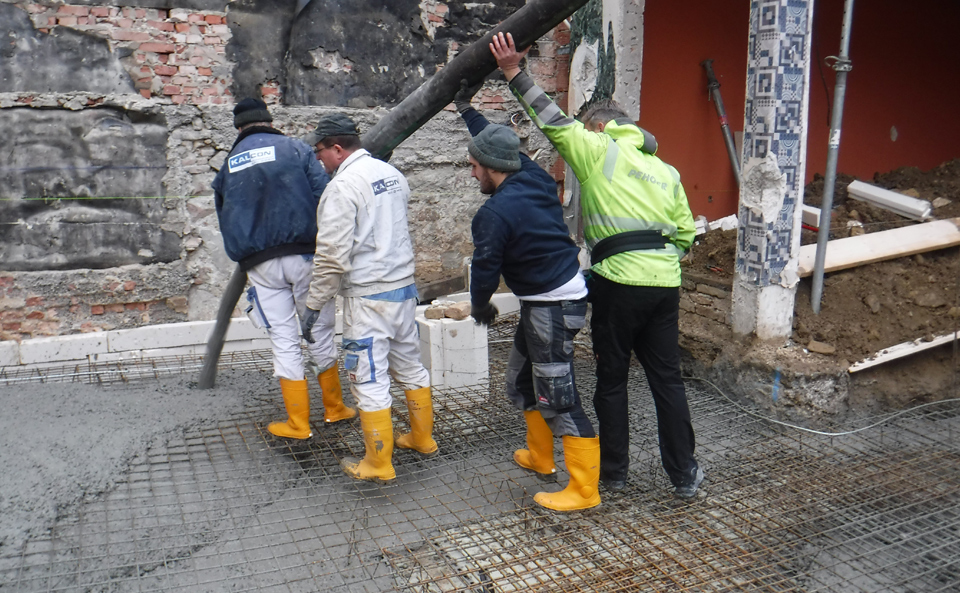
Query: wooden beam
[(913, 208), (901, 350), (883, 245)]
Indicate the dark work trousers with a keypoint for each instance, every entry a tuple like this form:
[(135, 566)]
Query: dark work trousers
[(540, 370), (643, 319)]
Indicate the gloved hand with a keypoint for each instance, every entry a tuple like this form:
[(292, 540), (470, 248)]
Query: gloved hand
[(462, 99), (485, 314), (307, 321)]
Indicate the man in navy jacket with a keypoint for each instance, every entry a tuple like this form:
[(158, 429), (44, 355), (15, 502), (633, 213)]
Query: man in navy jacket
[(266, 196), (519, 233)]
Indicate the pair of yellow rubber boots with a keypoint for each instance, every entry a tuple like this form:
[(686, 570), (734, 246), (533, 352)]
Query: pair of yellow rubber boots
[(296, 399), (378, 441), (582, 456)]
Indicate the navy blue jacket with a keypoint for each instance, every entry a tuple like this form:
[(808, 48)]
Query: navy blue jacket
[(266, 195), (519, 232)]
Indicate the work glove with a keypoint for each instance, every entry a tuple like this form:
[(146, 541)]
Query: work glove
[(462, 99), (484, 314), (307, 321)]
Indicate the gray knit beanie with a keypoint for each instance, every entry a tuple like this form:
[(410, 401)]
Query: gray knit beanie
[(249, 111), (496, 147)]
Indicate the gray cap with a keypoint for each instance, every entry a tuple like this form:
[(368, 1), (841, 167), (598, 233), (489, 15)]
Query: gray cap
[(335, 124), (496, 147)]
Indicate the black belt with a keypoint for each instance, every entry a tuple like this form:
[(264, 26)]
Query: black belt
[(628, 241)]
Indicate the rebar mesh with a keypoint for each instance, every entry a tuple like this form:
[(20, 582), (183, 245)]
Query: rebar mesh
[(231, 508)]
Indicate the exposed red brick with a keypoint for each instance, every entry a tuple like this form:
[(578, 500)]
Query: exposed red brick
[(209, 91), (124, 23), (160, 48), (129, 285), (114, 308), (145, 93), (11, 326), (44, 30), (434, 18), (163, 58), (34, 301), (171, 89), (182, 27), (164, 70), (100, 11), (74, 10), (178, 99), (67, 21), (161, 25), (265, 91), (88, 328), (111, 286), (35, 315), (136, 306), (195, 18), (96, 309), (204, 71), (7, 280), (190, 90), (127, 35), (140, 13), (212, 41), (213, 19)]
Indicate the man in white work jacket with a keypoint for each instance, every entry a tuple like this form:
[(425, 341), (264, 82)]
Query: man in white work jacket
[(364, 252)]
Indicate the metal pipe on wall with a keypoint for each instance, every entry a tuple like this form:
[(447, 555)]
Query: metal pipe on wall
[(841, 65)]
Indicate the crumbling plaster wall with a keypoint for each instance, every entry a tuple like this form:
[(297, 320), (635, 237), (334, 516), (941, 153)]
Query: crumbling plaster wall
[(132, 101)]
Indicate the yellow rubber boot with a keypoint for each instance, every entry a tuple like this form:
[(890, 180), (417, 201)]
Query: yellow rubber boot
[(333, 408), (297, 401), (377, 464), (420, 437), (583, 463), (538, 456)]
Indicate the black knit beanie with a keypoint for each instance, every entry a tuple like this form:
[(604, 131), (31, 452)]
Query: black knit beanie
[(496, 147), (249, 111)]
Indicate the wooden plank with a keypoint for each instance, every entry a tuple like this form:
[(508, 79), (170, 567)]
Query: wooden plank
[(895, 202), (850, 252), (901, 350)]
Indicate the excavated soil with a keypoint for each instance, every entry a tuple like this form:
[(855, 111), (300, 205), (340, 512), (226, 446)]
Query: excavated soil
[(866, 308), (875, 306)]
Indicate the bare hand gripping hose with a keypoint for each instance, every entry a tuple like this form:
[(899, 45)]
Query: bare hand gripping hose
[(472, 64)]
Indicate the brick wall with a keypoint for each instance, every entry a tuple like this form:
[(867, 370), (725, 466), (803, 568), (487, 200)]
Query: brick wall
[(177, 56), (706, 296)]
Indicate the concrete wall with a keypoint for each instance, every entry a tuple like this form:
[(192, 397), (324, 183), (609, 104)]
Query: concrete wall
[(119, 115)]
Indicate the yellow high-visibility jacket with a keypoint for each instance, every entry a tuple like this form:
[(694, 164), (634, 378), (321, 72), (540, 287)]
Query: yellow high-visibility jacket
[(623, 188)]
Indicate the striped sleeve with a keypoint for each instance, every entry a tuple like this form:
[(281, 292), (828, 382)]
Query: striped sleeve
[(583, 150)]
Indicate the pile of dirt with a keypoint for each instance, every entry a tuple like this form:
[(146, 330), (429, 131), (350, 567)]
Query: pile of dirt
[(875, 306)]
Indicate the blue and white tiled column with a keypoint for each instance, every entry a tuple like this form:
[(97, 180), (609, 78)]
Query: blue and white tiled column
[(774, 158)]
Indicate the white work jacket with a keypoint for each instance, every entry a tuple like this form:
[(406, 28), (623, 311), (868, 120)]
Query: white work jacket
[(363, 243)]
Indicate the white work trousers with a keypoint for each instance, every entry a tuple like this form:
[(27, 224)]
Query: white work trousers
[(381, 337), (278, 296)]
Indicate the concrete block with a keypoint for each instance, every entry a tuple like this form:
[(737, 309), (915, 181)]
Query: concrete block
[(9, 353), (116, 356), (506, 302), (463, 335), (63, 348), (169, 335), (453, 379), (240, 328), (466, 361)]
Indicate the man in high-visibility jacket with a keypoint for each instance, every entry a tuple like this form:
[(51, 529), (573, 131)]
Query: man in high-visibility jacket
[(638, 225)]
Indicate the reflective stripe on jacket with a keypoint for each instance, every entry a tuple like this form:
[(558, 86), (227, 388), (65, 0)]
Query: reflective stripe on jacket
[(622, 189)]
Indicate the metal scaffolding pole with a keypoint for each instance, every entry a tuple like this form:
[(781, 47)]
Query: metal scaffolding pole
[(841, 65)]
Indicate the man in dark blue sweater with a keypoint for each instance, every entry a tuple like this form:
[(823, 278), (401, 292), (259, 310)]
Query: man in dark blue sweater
[(519, 233)]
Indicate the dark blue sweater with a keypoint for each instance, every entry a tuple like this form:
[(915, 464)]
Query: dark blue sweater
[(519, 232), (266, 195)]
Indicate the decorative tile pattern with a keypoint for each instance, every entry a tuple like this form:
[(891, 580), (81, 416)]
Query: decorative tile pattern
[(776, 113)]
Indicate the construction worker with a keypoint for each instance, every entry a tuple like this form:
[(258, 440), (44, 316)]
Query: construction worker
[(519, 232), (266, 195), (365, 253), (638, 225)]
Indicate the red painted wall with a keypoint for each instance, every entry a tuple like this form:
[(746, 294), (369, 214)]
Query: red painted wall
[(906, 74)]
